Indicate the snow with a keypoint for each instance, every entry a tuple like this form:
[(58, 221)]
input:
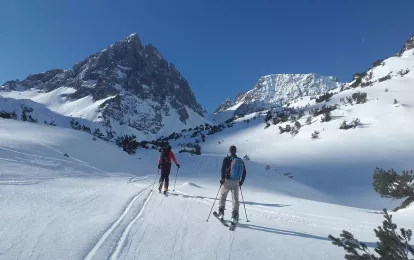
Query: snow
[(56, 100)]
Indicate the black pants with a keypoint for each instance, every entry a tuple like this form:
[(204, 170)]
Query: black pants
[(165, 175)]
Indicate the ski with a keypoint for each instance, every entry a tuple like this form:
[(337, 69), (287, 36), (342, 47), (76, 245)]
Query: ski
[(221, 220)]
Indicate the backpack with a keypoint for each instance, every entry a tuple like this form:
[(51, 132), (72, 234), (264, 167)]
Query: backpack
[(165, 157), (236, 168)]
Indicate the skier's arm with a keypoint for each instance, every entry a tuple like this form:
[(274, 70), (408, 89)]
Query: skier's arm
[(223, 169), (244, 173), (173, 158)]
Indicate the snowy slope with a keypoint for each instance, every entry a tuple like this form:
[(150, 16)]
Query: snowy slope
[(98, 204)]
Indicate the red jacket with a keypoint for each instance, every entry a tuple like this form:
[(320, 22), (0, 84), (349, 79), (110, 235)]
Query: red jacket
[(170, 157)]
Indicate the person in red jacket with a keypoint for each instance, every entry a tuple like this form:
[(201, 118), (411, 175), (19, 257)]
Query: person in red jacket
[(164, 163)]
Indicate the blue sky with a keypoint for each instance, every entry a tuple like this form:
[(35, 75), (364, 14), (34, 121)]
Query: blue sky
[(220, 47)]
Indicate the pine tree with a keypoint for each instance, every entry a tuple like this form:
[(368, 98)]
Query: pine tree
[(390, 184), (391, 246)]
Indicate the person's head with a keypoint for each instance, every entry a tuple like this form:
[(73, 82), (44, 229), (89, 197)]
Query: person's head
[(232, 150), (168, 147)]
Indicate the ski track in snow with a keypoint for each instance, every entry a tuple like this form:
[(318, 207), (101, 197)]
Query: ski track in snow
[(117, 229)]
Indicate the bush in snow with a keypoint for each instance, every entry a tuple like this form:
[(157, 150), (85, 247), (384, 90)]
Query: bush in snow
[(246, 157), (267, 167), (326, 117), (128, 143), (298, 125), (325, 97), (390, 184), (294, 131), (345, 126), (384, 78), (309, 120), (391, 245), (94, 139), (66, 155), (395, 102), (359, 97), (267, 125), (386, 90), (322, 110), (286, 129), (268, 116), (98, 133), (403, 72), (24, 116), (7, 115), (315, 135)]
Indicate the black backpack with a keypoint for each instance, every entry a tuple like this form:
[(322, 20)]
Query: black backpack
[(165, 157)]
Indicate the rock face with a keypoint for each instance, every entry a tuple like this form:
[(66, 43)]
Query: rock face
[(409, 45), (279, 89), (139, 85)]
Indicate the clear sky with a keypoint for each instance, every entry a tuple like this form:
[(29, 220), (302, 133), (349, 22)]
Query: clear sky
[(220, 47)]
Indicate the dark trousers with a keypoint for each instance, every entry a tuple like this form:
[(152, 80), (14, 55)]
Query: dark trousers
[(165, 175)]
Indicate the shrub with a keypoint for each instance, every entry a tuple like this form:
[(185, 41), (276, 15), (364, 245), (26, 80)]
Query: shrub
[(359, 97), (268, 116), (98, 133), (309, 120), (326, 117), (325, 97), (298, 125), (128, 143), (315, 135), (7, 115), (322, 110), (345, 126), (386, 90), (286, 129), (395, 101), (246, 157), (384, 78), (391, 245), (294, 131)]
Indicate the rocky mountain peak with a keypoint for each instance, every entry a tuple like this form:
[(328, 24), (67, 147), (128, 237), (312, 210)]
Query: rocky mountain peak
[(139, 85)]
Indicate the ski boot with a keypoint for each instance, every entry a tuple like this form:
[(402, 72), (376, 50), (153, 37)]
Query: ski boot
[(235, 216), (221, 213)]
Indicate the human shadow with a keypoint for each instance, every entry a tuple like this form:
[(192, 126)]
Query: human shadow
[(246, 202), (291, 233)]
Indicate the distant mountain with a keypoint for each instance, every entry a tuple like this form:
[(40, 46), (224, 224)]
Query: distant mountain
[(277, 90), (126, 87)]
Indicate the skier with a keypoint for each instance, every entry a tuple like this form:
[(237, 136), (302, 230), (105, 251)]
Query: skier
[(164, 163), (233, 173)]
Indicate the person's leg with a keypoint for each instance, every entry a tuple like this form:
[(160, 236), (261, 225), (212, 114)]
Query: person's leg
[(167, 177), (235, 194), (224, 191)]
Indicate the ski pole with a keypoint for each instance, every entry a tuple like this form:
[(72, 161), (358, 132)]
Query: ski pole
[(214, 203), (175, 178), (156, 175), (244, 204)]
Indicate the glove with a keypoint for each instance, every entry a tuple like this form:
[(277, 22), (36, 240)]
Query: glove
[(159, 166), (222, 181), (178, 166), (240, 183)]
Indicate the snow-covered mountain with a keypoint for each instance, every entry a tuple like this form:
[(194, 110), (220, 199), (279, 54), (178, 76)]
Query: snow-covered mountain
[(127, 87), (277, 90)]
